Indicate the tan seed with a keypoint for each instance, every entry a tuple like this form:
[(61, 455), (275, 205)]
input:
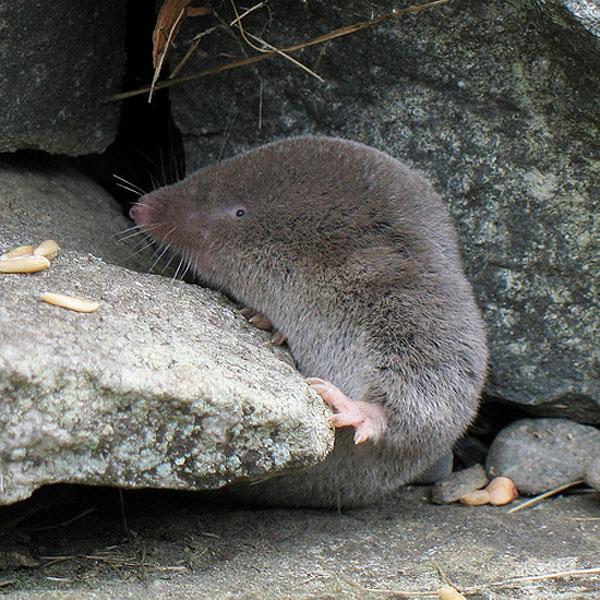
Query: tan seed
[(24, 264), (19, 251), (75, 303), (476, 498), (502, 490), (447, 592), (48, 248)]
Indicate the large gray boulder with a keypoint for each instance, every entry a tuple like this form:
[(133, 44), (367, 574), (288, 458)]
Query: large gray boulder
[(165, 385), (542, 454), (496, 108), (58, 61)]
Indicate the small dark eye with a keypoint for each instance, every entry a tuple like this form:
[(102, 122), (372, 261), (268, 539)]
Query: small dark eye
[(240, 212)]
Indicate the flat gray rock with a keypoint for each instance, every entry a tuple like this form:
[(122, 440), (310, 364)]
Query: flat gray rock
[(58, 61), (541, 454), (185, 551), (458, 484), (497, 103), (165, 386)]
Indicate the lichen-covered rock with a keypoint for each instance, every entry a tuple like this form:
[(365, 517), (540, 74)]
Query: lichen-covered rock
[(58, 61), (490, 102), (165, 385), (541, 454)]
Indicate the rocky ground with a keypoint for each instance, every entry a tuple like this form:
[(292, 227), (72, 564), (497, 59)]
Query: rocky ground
[(175, 546)]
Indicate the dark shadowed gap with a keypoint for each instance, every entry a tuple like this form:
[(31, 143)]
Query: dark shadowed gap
[(148, 150)]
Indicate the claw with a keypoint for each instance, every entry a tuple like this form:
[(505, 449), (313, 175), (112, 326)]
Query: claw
[(261, 322), (368, 419), (278, 338)]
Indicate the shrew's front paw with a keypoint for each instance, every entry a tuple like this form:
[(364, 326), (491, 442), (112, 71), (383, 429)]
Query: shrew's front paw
[(368, 419), (261, 321)]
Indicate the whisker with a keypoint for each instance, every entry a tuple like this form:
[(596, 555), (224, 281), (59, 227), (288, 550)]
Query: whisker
[(164, 247), (127, 229), (166, 237), (140, 231), (163, 170), (147, 157), (187, 268), (174, 278), (155, 182), (129, 183), (149, 244), (124, 187), (145, 202), (131, 235), (173, 255), (177, 166)]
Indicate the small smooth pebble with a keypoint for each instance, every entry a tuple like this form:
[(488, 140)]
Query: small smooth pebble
[(458, 484)]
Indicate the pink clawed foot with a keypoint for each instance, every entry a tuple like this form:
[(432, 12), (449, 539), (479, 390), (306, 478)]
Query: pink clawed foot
[(369, 420), (261, 321)]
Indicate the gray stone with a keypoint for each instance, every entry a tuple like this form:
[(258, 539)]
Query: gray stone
[(438, 470), (501, 114), (16, 556), (58, 61), (165, 385), (541, 454), (592, 473), (217, 553), (51, 201), (457, 484), (577, 23)]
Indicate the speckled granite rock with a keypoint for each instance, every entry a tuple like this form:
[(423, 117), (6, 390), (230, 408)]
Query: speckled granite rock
[(58, 61), (577, 24), (165, 385), (489, 100), (540, 454)]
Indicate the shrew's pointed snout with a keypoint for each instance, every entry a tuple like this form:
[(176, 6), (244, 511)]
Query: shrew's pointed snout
[(139, 213), (145, 212)]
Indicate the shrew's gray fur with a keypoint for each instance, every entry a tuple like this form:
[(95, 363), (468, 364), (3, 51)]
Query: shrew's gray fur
[(354, 257)]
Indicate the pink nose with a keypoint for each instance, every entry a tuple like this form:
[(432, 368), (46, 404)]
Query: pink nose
[(137, 213)]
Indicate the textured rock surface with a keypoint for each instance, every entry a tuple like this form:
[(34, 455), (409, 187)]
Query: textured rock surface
[(58, 61), (193, 551), (164, 386), (457, 484), (592, 474), (540, 454), (41, 201), (501, 113), (577, 22)]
